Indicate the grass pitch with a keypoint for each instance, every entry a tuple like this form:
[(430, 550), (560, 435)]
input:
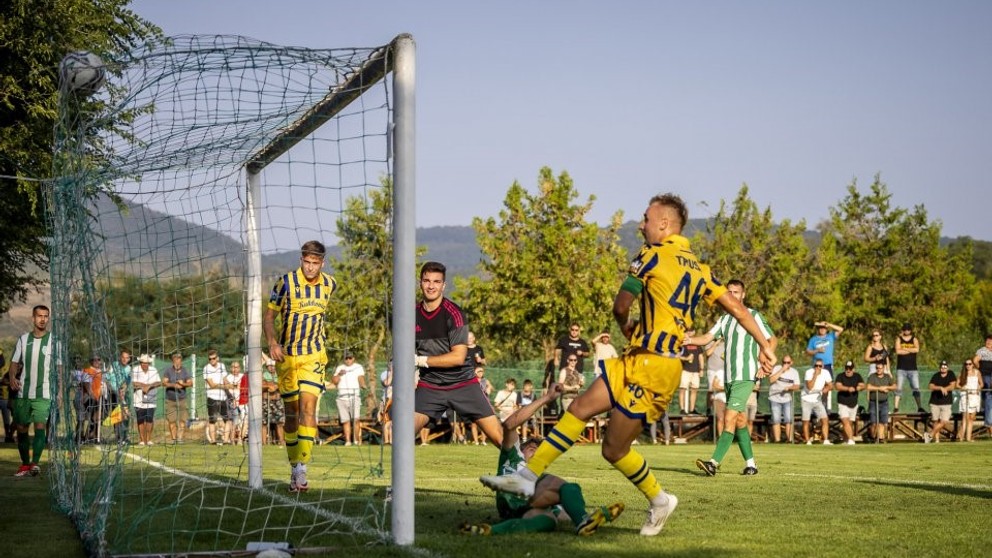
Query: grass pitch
[(900, 499)]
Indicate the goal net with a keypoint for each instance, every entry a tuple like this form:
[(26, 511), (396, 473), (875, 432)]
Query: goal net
[(185, 187)]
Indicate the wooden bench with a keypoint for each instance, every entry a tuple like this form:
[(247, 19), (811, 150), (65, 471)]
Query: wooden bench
[(330, 430)]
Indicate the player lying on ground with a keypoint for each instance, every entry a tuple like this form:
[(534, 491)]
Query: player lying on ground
[(552, 494)]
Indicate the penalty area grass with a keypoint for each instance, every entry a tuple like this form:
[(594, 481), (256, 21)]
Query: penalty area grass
[(901, 499)]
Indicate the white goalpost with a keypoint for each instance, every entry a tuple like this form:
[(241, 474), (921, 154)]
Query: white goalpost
[(185, 184)]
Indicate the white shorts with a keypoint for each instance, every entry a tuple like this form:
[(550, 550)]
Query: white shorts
[(689, 380), (972, 403), (940, 413), (349, 408), (849, 413)]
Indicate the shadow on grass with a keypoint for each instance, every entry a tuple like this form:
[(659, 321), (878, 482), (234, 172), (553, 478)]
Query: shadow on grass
[(943, 489)]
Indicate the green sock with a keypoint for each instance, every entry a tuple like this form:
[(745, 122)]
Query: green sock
[(723, 444), (744, 441), (573, 502), (24, 447), (40, 441), (537, 524)]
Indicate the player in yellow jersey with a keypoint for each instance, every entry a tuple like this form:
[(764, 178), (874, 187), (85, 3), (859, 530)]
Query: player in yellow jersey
[(668, 281), (300, 298)]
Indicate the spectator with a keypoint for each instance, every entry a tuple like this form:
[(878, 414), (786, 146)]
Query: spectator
[(93, 396), (81, 400), (783, 381), (5, 393), (751, 410), (717, 398), (145, 381), (177, 380), (349, 378), (821, 345), (273, 409), (571, 380), (29, 375), (666, 430), (983, 361), (879, 386), (478, 437), (971, 384), (244, 393), (941, 397), (506, 399), (235, 411), (385, 412), (876, 351), (692, 364), (816, 383), (571, 344), (848, 385), (118, 379), (529, 427), (907, 348), (476, 355), (602, 350), (214, 374)]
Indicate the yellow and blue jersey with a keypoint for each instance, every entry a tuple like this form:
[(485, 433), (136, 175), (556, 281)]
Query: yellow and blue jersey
[(302, 306), (670, 282)]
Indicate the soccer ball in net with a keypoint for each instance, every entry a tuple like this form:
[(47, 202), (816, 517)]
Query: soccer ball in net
[(82, 73)]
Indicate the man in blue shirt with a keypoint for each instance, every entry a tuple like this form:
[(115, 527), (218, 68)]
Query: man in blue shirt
[(821, 345)]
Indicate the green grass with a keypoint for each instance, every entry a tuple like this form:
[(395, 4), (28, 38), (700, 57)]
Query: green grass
[(900, 499)]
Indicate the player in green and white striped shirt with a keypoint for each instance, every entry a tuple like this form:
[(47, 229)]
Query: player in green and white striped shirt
[(741, 370), (31, 377)]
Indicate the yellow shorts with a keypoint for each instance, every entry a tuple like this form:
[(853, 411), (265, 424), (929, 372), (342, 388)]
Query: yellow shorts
[(301, 373), (641, 383)]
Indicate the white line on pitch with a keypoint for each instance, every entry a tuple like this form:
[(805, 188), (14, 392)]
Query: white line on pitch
[(355, 524)]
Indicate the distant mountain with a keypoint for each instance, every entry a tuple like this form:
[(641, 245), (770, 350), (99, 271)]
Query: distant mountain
[(156, 240)]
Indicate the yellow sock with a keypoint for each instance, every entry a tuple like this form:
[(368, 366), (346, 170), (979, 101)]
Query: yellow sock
[(558, 441), (292, 449), (635, 468), (305, 438)]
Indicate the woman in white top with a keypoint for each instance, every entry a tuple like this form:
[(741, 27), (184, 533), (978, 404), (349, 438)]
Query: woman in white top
[(970, 381)]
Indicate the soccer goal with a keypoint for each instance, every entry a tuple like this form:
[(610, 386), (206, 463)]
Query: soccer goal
[(185, 186)]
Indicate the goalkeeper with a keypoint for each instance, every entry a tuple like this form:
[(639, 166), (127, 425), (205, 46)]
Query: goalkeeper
[(552, 495)]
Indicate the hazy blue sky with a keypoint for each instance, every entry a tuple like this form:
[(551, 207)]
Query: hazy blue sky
[(796, 99)]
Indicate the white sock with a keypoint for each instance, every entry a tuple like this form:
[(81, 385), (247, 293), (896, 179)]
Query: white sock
[(750, 463), (661, 500)]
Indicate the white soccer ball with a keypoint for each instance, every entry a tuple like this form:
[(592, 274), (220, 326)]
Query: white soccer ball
[(82, 73)]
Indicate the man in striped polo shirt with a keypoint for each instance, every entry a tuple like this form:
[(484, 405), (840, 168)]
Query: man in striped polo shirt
[(741, 370), (31, 377)]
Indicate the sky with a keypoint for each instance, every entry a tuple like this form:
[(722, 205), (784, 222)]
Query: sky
[(796, 99)]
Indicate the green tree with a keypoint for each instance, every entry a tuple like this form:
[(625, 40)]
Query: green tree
[(896, 271), (744, 242), (359, 316), (34, 36), (189, 314), (543, 266)]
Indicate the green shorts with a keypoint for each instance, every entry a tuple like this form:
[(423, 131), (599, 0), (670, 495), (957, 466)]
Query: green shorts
[(32, 411), (737, 395)]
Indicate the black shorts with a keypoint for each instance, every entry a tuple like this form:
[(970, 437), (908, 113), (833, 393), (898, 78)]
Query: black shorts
[(145, 415), (468, 401), (217, 409)]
